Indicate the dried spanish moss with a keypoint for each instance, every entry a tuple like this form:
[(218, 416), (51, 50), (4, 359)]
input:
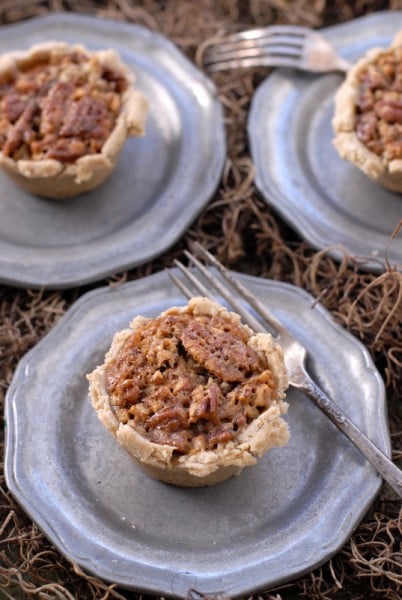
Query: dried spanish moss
[(246, 235)]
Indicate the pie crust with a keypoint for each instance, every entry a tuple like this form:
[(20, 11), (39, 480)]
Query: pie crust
[(385, 170), (197, 466), (54, 178)]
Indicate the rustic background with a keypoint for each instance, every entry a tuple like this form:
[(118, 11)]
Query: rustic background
[(248, 236)]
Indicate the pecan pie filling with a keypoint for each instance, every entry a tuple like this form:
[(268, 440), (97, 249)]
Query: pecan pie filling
[(61, 108), (379, 105), (189, 381)]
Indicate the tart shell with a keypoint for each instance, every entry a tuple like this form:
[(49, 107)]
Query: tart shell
[(203, 467), (51, 178)]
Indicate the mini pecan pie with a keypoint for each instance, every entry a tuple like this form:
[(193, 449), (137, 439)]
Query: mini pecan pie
[(192, 395), (368, 115), (65, 114)]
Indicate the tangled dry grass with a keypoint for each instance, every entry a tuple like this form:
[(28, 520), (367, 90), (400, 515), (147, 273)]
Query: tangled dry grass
[(245, 234)]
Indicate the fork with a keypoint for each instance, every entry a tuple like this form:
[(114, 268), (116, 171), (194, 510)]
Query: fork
[(295, 353), (274, 46)]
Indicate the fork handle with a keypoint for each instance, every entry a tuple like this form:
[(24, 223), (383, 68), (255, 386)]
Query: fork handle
[(385, 467)]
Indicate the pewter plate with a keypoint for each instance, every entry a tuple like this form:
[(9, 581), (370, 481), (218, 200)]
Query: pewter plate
[(275, 521), (326, 199), (161, 183)]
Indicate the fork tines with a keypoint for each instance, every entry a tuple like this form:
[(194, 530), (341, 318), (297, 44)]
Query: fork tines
[(235, 293), (279, 41), (288, 46)]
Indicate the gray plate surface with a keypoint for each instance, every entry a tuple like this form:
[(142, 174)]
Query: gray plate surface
[(161, 183), (277, 520), (327, 200)]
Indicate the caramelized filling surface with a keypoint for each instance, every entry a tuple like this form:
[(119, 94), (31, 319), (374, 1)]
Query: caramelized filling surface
[(188, 381), (379, 105), (62, 108)]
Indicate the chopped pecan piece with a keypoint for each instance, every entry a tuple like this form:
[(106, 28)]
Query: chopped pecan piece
[(220, 352), (366, 127), (21, 133)]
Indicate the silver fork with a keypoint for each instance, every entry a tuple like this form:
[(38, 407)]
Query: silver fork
[(294, 351), (274, 46)]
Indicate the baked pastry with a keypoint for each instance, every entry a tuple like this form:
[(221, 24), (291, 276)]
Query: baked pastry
[(368, 115), (193, 395), (65, 114)]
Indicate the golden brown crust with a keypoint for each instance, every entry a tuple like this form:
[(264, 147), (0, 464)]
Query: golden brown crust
[(204, 467), (53, 178), (379, 168)]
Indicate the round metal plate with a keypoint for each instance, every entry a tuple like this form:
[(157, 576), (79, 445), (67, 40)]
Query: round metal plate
[(161, 183), (326, 199), (275, 521)]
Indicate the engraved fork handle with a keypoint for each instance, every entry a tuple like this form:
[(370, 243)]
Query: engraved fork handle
[(389, 471)]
